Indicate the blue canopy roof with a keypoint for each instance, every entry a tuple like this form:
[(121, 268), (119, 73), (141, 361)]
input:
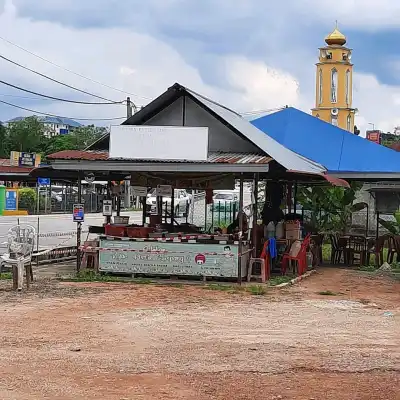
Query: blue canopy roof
[(338, 150)]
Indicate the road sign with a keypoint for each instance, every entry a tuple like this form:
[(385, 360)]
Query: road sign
[(164, 190), (107, 208), (139, 191), (11, 200), (78, 213), (44, 181)]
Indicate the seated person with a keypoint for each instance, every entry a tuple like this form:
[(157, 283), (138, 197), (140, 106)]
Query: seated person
[(234, 226)]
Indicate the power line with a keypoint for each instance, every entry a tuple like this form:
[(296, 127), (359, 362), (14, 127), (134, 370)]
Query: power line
[(24, 97), (39, 98), (53, 80), (56, 98), (262, 111), (72, 72), (59, 116)]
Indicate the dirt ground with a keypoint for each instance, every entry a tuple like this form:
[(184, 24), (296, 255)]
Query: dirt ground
[(131, 341)]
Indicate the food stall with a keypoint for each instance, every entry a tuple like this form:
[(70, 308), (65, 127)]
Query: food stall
[(187, 141), (163, 246)]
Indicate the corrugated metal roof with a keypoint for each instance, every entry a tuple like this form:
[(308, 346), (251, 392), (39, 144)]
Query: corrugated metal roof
[(287, 158), (79, 155), (6, 168), (214, 157)]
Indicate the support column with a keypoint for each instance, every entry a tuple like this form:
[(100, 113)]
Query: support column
[(240, 229)]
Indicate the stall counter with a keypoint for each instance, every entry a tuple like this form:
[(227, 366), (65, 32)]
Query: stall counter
[(211, 258)]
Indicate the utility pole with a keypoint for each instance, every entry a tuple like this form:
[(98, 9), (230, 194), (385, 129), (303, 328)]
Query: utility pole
[(128, 108)]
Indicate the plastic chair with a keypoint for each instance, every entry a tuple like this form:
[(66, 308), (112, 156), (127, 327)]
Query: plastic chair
[(90, 257), (263, 260), (300, 259), (21, 241)]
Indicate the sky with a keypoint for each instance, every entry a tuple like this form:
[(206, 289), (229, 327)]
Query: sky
[(247, 54)]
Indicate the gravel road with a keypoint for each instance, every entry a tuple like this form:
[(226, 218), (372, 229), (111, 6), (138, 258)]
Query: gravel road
[(124, 341)]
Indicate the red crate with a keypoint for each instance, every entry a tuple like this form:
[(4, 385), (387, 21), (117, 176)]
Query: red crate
[(139, 231), (115, 230)]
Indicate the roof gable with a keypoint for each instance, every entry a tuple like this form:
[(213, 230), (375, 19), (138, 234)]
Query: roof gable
[(338, 150), (285, 157)]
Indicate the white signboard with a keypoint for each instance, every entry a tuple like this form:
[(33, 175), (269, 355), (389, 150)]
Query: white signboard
[(139, 191), (169, 258), (144, 142), (164, 190)]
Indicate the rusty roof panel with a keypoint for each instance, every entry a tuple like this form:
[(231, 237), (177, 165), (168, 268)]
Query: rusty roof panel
[(79, 155), (214, 157)]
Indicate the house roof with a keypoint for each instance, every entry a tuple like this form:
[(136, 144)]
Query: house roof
[(285, 157), (340, 151), (7, 170), (51, 120)]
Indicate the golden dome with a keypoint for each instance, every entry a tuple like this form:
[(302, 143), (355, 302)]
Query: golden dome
[(335, 38)]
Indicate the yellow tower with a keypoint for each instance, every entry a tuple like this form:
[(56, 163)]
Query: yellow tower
[(334, 91)]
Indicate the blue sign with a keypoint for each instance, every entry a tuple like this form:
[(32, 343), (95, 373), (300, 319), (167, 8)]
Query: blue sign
[(78, 213), (44, 181), (11, 200), (27, 159)]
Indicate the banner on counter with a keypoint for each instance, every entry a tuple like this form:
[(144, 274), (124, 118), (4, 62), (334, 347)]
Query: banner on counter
[(168, 258)]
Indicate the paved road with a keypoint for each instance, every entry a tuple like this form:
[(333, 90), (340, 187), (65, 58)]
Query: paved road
[(57, 223)]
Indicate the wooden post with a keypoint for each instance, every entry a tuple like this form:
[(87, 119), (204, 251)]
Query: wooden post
[(240, 229), (255, 214)]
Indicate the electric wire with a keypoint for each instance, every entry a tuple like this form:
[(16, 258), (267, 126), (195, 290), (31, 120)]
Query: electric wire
[(59, 116), (56, 98), (70, 71), (255, 112), (54, 80)]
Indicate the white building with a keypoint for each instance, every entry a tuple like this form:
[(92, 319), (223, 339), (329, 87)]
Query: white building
[(54, 126)]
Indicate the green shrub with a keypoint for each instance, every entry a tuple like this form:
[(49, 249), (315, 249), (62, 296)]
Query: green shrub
[(27, 200)]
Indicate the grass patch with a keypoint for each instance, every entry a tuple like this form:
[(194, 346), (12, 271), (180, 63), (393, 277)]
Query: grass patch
[(277, 280), (5, 276), (367, 268), (327, 293), (176, 285), (256, 290), (221, 288), (89, 275)]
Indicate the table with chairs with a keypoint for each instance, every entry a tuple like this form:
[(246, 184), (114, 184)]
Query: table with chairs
[(358, 249)]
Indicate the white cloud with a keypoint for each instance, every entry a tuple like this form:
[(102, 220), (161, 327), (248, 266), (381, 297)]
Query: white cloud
[(378, 104), (143, 65), (262, 87), (136, 63), (364, 15)]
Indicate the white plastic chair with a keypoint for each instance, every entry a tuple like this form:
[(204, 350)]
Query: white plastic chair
[(21, 241)]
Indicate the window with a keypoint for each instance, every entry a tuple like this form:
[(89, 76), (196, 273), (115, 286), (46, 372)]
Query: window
[(348, 86), (317, 116), (334, 84), (349, 123), (320, 94), (334, 121)]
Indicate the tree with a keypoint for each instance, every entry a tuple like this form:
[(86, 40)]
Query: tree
[(26, 135), (331, 208), (84, 136), (4, 152), (78, 139)]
